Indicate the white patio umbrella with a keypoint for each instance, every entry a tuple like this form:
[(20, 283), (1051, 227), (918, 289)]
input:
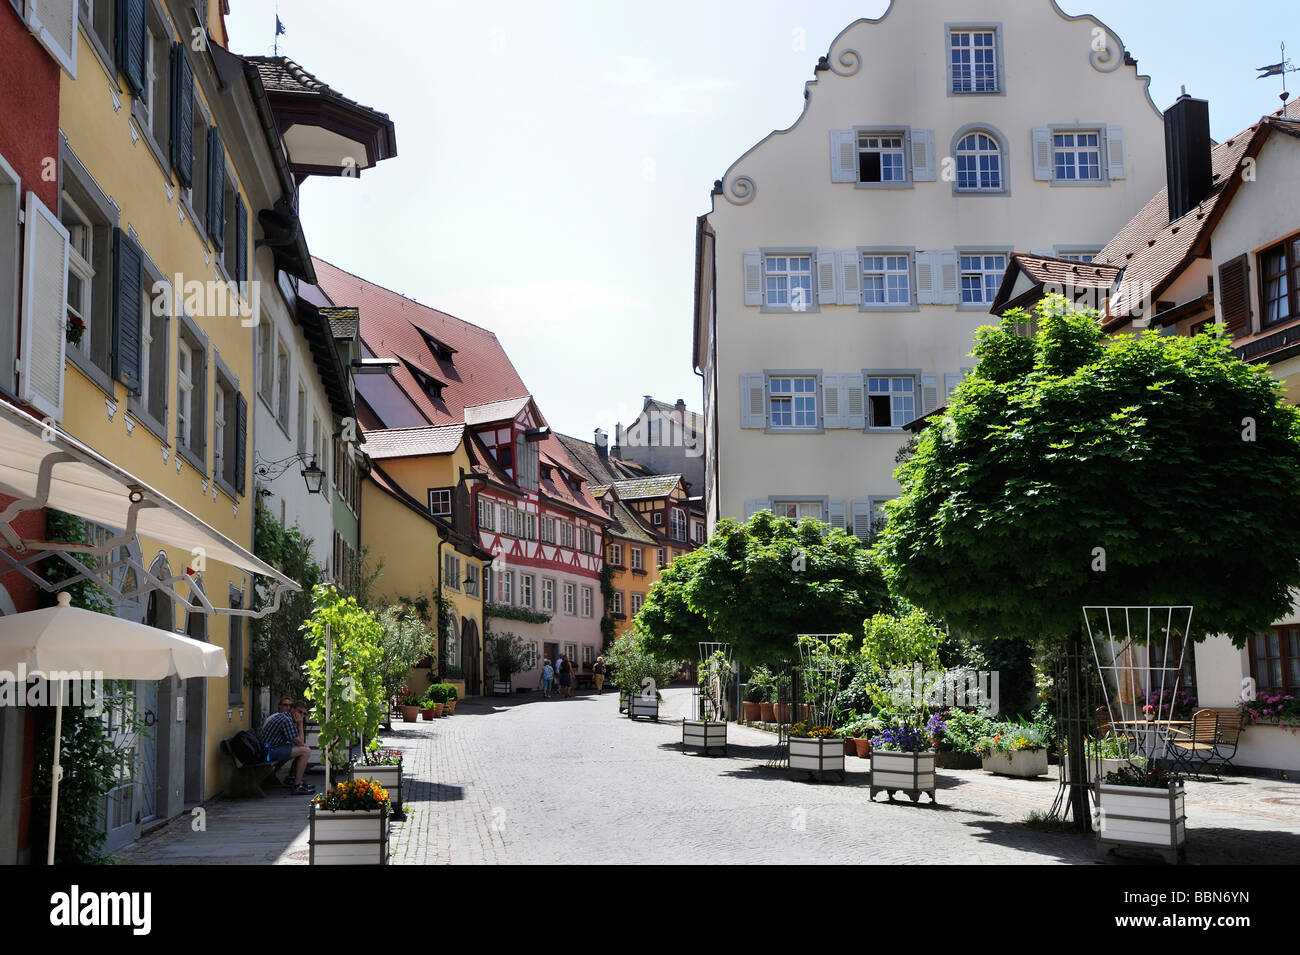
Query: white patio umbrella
[(67, 639)]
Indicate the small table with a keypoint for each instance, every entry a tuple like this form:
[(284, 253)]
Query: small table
[(1144, 732)]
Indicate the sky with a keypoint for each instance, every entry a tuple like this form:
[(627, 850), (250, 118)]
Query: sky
[(553, 158)]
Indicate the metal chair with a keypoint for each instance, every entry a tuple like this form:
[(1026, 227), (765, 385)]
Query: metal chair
[(1193, 747), (1230, 727)]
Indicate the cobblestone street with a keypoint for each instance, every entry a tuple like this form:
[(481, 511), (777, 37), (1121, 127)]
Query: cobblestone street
[(570, 781)]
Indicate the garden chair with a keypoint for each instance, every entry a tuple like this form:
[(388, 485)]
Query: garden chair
[(1230, 727), (1192, 747)]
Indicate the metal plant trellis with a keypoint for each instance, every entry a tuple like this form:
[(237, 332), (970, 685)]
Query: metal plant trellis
[(716, 674), (821, 669)]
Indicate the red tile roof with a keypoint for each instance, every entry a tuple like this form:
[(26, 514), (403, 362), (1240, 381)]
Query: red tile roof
[(480, 371)]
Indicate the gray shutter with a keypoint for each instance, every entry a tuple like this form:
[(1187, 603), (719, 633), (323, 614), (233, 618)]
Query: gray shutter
[(130, 43), (1042, 145), (241, 240), (923, 167), (837, 515), (54, 23), (241, 440), (182, 133), (861, 517), (844, 155), (216, 208), (950, 382), (826, 286), (948, 284), (753, 278), (753, 401), (1115, 152), (850, 277), (927, 278), (929, 393), (854, 408), (45, 309), (755, 505), (832, 402), (128, 279)]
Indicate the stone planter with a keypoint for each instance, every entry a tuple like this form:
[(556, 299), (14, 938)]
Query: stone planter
[(767, 712), (1025, 763), (817, 757), (348, 837), (643, 706), (501, 688), (390, 777), (1141, 816), (910, 773), (704, 736)]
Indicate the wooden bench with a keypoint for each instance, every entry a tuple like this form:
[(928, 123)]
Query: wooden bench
[(246, 779)]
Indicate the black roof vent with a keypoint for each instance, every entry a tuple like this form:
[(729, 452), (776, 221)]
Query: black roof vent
[(1187, 154)]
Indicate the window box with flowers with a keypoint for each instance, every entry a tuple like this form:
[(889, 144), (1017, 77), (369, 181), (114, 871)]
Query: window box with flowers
[(902, 759), (1272, 709), (383, 766), (1142, 806), (816, 750), (349, 825), (1016, 749)]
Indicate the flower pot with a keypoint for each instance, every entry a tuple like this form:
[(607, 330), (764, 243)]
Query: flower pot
[(767, 712), (1142, 816), (783, 712), (1024, 763), (390, 777), (862, 746), (850, 746), (643, 706), (752, 711), (705, 736), (438, 710), (817, 757), (410, 714), (348, 837), (428, 712), (912, 773), (449, 707)]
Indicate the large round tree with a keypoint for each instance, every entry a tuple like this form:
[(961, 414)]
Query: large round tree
[(1072, 470)]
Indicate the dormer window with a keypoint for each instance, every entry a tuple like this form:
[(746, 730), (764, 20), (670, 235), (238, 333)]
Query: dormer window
[(441, 350), (428, 384)]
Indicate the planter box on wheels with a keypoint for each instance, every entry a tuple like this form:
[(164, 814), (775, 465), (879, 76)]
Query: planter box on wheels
[(1142, 816), (817, 757), (705, 736), (642, 706), (911, 773), (501, 688), (1025, 763), (390, 777), (348, 837)]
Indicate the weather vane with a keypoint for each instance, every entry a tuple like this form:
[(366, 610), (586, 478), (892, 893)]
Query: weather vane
[(1279, 69)]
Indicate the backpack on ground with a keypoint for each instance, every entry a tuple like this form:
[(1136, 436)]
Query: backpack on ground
[(247, 748)]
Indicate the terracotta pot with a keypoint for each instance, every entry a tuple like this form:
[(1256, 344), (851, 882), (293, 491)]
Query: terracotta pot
[(850, 746), (863, 746), (450, 707), (784, 712), (428, 713), (805, 711), (438, 711), (753, 711), (767, 712), (410, 714)]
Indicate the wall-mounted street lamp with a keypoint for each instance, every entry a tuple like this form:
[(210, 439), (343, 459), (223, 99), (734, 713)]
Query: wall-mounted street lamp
[(312, 475)]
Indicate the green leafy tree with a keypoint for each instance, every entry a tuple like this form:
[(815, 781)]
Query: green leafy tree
[(406, 639), (1070, 470), (356, 687), (632, 663), (280, 646), (758, 584), (507, 653)]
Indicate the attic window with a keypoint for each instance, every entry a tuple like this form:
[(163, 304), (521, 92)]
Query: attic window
[(441, 350), (432, 387)]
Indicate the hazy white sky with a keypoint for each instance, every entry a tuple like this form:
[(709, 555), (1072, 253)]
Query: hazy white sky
[(552, 157)]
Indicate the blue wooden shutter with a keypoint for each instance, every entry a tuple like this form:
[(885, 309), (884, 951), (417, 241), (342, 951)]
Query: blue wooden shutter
[(241, 440), (130, 43), (241, 240), (182, 116), (127, 298), (216, 188)]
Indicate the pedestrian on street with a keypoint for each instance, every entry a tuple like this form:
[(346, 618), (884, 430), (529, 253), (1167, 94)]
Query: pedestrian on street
[(548, 677), (566, 678), (598, 672)]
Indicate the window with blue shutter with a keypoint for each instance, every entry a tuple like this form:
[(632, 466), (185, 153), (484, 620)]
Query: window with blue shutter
[(130, 44), (128, 279), (216, 208), (182, 144), (241, 441), (241, 240)]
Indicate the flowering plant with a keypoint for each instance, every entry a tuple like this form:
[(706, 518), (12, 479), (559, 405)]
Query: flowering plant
[(383, 757), (902, 737), (1272, 710), (861, 726), (1006, 738), (1151, 776), (355, 794), (1168, 704), (75, 329), (806, 730)]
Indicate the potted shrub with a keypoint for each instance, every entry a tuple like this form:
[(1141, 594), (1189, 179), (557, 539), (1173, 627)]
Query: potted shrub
[(762, 684), (1103, 755), (508, 655), (816, 750), (349, 825), (784, 712), (410, 705), (450, 695), (1016, 749), (1142, 806), (857, 734), (383, 766), (958, 744), (710, 730), (752, 705), (455, 678), (902, 760)]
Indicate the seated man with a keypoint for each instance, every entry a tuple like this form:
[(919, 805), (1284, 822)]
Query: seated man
[(286, 704), (283, 735)]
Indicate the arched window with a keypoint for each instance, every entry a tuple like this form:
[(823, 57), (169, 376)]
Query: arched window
[(979, 163), (452, 658)]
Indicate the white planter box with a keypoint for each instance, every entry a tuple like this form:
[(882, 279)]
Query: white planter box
[(390, 777), (912, 773), (817, 756), (1025, 763), (705, 736), (500, 688), (641, 706), (348, 837), (1142, 816)]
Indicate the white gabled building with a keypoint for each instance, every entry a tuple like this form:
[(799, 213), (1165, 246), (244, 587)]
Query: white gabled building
[(848, 260)]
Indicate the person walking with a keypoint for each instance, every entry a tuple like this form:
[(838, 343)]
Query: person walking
[(566, 678), (598, 673), (548, 678)]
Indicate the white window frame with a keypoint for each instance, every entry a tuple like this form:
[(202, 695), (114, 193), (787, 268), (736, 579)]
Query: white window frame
[(886, 265), (283, 373), (436, 496), (897, 404), (636, 558), (184, 392), (662, 557), (677, 524), (792, 397), (982, 269), (1074, 150), (874, 141), (506, 592), (637, 602), (526, 589), (81, 257), (966, 76), (471, 579), (616, 554), (548, 594), (803, 508), (588, 599), (775, 264), (987, 146), (616, 605), (451, 571), (570, 599)]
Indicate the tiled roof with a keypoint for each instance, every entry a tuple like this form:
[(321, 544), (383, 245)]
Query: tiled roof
[(601, 469), (1046, 270), (556, 488), (660, 485), (413, 442), (628, 527), (495, 410), (1152, 250), (693, 418), (282, 75), (480, 372), (344, 321)]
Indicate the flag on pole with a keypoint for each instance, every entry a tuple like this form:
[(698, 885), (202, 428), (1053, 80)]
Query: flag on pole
[(1274, 70), (279, 27)]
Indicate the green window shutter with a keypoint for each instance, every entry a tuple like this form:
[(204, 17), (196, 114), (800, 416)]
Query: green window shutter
[(241, 441), (182, 116), (216, 188), (130, 42), (241, 240), (128, 278)]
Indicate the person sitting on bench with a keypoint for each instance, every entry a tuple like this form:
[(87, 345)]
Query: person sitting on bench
[(282, 735)]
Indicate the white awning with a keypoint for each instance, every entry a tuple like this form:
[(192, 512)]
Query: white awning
[(85, 483)]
